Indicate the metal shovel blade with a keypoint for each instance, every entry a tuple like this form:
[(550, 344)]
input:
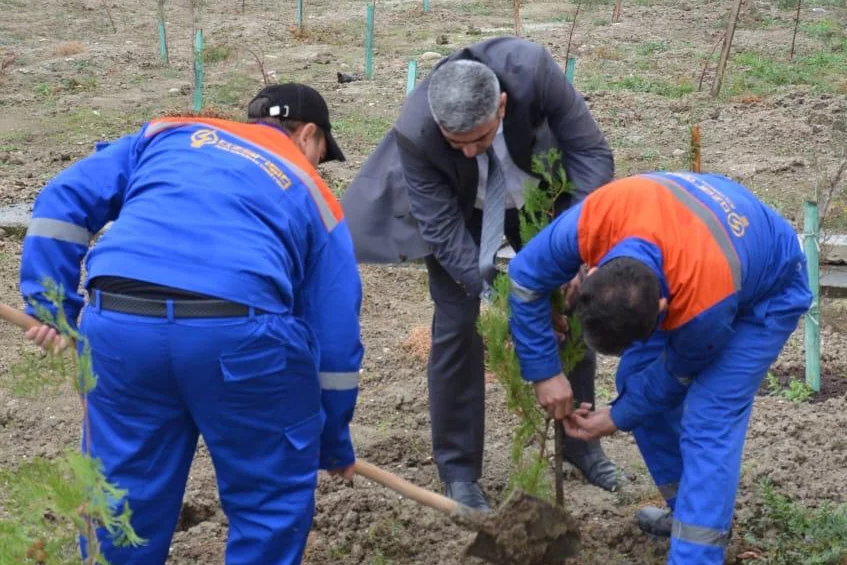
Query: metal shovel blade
[(526, 530)]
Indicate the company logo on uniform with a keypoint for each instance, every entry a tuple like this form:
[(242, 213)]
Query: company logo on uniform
[(203, 137), (209, 137), (737, 223)]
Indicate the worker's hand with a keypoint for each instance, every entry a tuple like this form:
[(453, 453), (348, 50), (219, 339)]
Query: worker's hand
[(587, 425), (345, 472), (571, 289), (560, 327), (47, 338), (555, 396)]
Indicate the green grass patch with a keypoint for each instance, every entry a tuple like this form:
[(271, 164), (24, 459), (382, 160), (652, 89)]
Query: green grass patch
[(793, 534), (361, 129), (599, 79), (753, 73), (650, 47), (236, 91), (654, 86), (216, 53), (474, 8)]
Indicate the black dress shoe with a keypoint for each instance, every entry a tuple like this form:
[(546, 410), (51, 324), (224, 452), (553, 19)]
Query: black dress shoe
[(469, 494), (590, 459)]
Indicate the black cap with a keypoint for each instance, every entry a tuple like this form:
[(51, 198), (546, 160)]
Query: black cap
[(295, 101)]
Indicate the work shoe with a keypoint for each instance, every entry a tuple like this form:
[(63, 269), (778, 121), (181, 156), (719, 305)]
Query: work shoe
[(658, 522), (592, 462), (469, 494), (655, 521)]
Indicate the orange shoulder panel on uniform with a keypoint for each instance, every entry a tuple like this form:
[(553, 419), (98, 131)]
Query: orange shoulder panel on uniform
[(697, 267), (268, 138)]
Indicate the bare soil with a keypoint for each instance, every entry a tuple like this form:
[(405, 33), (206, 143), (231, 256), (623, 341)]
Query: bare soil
[(71, 81)]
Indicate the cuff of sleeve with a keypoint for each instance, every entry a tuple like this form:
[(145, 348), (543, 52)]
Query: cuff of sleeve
[(623, 416), (337, 457), (542, 369)]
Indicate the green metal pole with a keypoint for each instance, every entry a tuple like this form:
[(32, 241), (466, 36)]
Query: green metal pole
[(163, 39), (813, 320), (369, 44), (570, 69), (412, 77), (163, 43), (198, 70), (299, 15)]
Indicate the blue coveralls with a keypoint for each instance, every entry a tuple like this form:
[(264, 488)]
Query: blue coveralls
[(735, 278), (233, 211)]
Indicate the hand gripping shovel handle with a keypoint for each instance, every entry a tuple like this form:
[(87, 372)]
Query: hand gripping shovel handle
[(404, 487), (18, 318)]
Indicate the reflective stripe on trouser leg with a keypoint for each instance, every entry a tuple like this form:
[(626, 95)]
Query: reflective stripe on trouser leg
[(714, 427), (658, 438)]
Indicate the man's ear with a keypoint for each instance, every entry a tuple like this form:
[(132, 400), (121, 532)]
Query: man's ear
[(501, 110), (308, 131), (663, 304)]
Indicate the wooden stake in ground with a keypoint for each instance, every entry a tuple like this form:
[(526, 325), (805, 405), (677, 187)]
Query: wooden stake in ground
[(573, 25), (695, 148), (616, 12), (706, 64), (796, 25), (727, 46), (109, 14), (517, 10)]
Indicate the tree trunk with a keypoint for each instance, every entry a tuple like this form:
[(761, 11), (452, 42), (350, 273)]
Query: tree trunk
[(727, 46)]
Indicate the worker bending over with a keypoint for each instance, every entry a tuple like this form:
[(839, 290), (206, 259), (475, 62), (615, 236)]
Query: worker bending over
[(223, 301), (697, 285)]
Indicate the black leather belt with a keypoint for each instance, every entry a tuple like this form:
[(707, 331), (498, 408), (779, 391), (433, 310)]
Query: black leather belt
[(181, 308)]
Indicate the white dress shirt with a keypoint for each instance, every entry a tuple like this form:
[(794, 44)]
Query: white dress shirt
[(516, 179)]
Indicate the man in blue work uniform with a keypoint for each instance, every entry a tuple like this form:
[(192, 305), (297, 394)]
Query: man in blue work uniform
[(223, 301), (698, 285)]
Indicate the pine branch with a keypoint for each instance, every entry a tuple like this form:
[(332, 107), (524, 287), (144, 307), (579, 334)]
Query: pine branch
[(71, 490), (529, 472)]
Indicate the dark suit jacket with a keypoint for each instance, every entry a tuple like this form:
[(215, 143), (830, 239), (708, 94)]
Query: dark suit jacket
[(415, 193)]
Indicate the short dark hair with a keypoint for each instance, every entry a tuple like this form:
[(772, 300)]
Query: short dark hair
[(290, 126), (618, 304)]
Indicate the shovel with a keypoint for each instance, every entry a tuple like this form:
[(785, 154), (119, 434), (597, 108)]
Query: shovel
[(525, 530)]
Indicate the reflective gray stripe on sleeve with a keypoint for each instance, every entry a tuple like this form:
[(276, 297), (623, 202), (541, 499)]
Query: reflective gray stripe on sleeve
[(327, 216), (699, 534), (59, 230), (710, 220), (669, 490), (522, 293), (339, 381)]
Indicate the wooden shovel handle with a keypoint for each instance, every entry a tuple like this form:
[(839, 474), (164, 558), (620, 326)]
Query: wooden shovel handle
[(18, 318), (404, 487)]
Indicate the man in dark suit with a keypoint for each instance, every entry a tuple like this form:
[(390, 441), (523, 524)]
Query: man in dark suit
[(446, 184)]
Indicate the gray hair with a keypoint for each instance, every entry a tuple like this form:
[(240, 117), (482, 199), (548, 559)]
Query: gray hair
[(463, 95)]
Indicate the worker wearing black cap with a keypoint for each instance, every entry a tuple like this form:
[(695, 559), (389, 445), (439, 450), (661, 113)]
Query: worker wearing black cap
[(302, 112), (223, 301)]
